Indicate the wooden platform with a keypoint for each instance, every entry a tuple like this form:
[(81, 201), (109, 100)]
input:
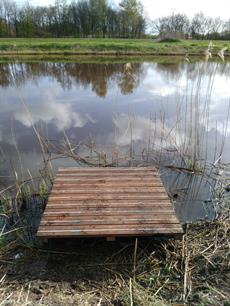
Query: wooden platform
[(108, 202)]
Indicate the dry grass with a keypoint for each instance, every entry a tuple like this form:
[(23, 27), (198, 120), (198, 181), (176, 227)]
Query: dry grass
[(193, 271)]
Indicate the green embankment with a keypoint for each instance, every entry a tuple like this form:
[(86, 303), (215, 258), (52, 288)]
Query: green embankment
[(107, 46)]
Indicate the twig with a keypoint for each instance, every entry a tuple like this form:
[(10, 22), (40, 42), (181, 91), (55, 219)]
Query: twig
[(135, 259), (131, 292), (159, 289), (7, 298), (2, 279)]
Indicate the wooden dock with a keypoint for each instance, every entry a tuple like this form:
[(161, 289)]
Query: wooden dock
[(108, 202)]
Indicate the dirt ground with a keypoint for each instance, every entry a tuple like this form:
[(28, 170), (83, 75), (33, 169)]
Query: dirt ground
[(191, 271)]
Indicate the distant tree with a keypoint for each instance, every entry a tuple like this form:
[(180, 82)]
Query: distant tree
[(81, 18), (98, 14), (132, 19), (206, 27), (214, 27), (199, 26), (26, 26), (226, 30), (172, 26)]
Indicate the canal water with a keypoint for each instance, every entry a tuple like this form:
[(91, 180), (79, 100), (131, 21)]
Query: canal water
[(165, 112)]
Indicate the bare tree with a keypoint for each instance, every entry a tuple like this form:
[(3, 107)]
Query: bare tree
[(172, 26)]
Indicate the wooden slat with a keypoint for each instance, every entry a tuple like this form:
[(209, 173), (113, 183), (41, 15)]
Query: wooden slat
[(76, 186), (93, 202), (65, 198), (101, 180), (130, 232), (123, 202), (110, 217), (108, 170), (58, 207), (125, 213), (72, 206), (102, 227), (76, 222), (127, 189), (125, 174)]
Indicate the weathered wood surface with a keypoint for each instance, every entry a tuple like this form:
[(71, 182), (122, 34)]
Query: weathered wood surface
[(108, 202)]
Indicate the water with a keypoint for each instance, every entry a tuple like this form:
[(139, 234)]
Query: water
[(167, 112)]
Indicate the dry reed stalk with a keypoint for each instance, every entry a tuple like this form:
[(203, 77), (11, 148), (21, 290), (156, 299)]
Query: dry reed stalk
[(135, 259), (131, 292)]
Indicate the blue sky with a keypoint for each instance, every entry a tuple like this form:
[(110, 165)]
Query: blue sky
[(155, 8)]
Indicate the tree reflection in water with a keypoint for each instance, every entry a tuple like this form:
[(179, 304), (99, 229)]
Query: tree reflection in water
[(99, 77)]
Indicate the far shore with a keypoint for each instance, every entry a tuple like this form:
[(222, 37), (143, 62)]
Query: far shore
[(107, 47)]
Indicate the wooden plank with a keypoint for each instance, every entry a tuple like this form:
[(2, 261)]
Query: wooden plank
[(59, 205), (109, 206), (111, 189), (109, 217), (75, 206), (108, 173), (95, 215), (117, 184), (107, 169), (64, 198), (123, 202), (110, 227), (88, 200), (105, 176), (91, 180), (108, 202), (75, 213), (103, 228), (130, 232), (89, 222)]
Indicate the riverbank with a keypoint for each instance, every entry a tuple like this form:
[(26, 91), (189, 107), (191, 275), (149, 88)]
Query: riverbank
[(192, 271), (129, 47)]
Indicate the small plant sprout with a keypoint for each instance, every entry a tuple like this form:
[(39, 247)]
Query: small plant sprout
[(221, 53)]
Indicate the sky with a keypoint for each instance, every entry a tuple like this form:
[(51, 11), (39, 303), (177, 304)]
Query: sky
[(156, 8)]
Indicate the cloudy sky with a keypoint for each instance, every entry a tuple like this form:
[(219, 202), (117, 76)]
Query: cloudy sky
[(163, 7)]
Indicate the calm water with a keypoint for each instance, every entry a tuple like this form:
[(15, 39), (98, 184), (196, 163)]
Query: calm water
[(152, 107)]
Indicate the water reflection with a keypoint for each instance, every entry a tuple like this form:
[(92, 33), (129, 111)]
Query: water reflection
[(150, 108), (99, 77)]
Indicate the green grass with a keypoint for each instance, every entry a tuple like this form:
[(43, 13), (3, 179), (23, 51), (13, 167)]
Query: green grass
[(123, 46)]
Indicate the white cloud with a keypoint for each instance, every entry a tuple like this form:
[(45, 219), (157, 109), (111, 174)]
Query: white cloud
[(49, 109), (163, 91), (140, 132), (52, 112)]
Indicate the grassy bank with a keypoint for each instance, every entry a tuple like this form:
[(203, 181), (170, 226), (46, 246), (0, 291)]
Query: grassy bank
[(193, 271), (107, 46)]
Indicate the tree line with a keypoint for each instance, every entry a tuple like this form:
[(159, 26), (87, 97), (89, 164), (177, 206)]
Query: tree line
[(198, 27), (98, 18), (82, 18)]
